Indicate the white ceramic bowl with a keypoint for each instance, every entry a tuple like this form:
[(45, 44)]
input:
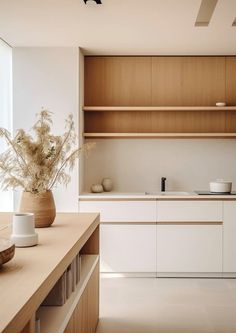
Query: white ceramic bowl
[(220, 104), (220, 186)]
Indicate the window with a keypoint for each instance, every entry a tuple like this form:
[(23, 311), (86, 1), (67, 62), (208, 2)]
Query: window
[(6, 197)]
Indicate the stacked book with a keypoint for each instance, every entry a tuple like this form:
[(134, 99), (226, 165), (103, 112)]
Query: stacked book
[(65, 285)]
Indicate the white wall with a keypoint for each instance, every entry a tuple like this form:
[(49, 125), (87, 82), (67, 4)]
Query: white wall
[(6, 197), (47, 77), (138, 165)]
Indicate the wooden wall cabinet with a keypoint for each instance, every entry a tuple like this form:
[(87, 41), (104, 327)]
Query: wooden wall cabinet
[(160, 96), (117, 81)]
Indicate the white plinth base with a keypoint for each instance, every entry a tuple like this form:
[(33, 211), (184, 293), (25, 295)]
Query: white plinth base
[(25, 240)]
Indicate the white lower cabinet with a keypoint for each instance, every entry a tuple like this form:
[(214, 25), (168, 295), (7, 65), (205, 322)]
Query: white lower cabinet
[(128, 248), (186, 239), (229, 237), (121, 211), (192, 210), (189, 248)]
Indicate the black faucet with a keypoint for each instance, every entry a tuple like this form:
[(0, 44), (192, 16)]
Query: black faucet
[(163, 184)]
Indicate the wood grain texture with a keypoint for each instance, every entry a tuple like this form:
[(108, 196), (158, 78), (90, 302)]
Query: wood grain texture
[(42, 205), (92, 245), (41, 266), (231, 80), (167, 81), (7, 250), (158, 108), (175, 94), (30, 326), (117, 81), (86, 313), (155, 122), (56, 318), (160, 135), (203, 80)]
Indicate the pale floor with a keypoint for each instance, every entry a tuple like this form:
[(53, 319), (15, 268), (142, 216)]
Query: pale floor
[(148, 305)]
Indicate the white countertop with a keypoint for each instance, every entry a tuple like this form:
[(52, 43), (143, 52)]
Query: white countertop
[(142, 196)]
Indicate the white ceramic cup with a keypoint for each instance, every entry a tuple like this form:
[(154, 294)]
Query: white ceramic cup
[(23, 232)]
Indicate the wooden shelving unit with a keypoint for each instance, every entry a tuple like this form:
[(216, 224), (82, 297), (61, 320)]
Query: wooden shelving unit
[(160, 135), (160, 122), (158, 108), (159, 97), (55, 318), (32, 274)]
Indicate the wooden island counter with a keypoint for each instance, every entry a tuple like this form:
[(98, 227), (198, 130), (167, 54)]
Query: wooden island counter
[(27, 279)]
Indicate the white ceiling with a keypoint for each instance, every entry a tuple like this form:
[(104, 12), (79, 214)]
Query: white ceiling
[(119, 26)]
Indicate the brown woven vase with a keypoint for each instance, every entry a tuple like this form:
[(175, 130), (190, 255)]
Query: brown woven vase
[(42, 205)]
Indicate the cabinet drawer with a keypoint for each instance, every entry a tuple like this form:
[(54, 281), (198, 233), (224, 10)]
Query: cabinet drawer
[(189, 248), (128, 248), (121, 211), (188, 211)]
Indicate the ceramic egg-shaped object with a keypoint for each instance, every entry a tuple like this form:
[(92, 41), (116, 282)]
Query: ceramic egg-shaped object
[(107, 184), (96, 188)]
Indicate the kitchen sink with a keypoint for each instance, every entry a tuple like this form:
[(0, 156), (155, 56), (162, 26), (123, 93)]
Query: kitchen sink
[(168, 193)]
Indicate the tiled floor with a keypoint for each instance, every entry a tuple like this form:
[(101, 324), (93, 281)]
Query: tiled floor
[(148, 305)]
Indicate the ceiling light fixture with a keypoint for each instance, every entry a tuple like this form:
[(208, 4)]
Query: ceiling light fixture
[(98, 2), (205, 13)]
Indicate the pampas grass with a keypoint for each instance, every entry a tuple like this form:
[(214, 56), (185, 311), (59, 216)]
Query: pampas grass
[(38, 163)]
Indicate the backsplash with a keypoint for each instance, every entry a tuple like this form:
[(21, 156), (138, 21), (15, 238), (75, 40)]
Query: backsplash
[(138, 165)]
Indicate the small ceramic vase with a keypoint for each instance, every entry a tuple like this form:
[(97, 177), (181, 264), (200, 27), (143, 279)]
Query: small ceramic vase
[(107, 184)]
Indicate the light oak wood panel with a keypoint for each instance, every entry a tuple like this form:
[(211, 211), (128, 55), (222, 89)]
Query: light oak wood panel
[(155, 122), (70, 326), (57, 318), (80, 315), (30, 326), (230, 122), (62, 241), (117, 81), (167, 86), (158, 108), (203, 80), (86, 313), (231, 80), (92, 244), (93, 301), (160, 135)]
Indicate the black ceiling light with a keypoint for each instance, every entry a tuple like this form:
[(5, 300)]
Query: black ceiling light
[(98, 2)]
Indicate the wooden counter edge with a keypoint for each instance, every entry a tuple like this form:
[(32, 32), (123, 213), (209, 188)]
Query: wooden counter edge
[(27, 312)]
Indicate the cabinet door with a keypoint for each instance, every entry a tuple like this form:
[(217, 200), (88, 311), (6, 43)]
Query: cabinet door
[(229, 237), (121, 211), (203, 80), (230, 80), (189, 248), (128, 248), (116, 81), (180, 211)]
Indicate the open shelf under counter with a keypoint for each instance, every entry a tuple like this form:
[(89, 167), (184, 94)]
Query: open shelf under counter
[(160, 135), (55, 318), (158, 108)]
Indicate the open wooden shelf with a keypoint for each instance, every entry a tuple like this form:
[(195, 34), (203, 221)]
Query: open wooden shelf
[(159, 97), (160, 135), (55, 318), (159, 108)]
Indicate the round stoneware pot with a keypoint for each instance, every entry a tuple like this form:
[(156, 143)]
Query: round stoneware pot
[(42, 205)]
